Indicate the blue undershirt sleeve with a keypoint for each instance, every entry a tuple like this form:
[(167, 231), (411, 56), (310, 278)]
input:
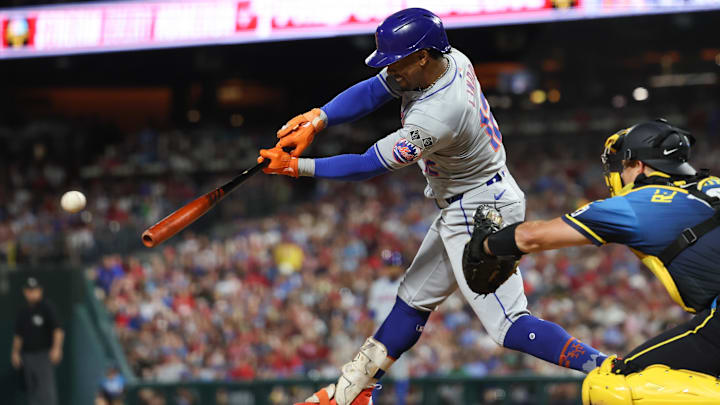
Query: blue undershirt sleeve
[(350, 167), (357, 101)]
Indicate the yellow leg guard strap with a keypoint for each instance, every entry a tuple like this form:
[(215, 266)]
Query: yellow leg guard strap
[(655, 385)]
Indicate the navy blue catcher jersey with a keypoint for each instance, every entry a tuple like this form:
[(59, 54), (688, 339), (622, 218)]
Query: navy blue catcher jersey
[(648, 219)]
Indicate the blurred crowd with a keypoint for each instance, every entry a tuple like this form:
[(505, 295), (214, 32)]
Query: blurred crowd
[(277, 280), (130, 181), (288, 294)]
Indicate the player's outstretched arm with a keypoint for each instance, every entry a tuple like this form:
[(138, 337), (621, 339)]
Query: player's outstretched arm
[(490, 257), (353, 103), (533, 236), (598, 223), (536, 236)]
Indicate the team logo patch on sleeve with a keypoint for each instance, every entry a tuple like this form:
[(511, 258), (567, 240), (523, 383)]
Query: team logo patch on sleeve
[(406, 152)]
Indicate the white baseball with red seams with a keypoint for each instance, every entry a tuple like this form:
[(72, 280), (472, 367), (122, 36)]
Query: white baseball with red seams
[(73, 201)]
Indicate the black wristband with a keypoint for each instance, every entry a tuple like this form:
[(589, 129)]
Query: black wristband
[(502, 242)]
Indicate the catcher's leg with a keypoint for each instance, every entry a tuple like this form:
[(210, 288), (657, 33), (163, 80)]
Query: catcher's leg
[(655, 385), (678, 366), (693, 345)]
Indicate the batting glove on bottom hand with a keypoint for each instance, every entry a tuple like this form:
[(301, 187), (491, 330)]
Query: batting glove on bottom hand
[(485, 273), (280, 162)]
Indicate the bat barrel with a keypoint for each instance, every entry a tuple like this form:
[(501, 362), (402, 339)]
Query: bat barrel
[(178, 220), (186, 215)]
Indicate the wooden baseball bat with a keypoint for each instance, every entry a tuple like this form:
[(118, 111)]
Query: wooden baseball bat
[(187, 214)]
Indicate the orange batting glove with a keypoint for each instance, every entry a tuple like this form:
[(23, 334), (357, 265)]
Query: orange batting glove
[(280, 162), (300, 131)]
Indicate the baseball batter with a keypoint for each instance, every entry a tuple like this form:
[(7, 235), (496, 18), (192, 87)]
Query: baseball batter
[(449, 131)]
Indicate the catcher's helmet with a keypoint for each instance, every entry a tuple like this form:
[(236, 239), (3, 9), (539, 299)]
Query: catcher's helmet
[(405, 32), (656, 143)]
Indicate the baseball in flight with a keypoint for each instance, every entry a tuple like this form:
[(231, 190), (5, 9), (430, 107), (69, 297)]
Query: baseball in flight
[(73, 201)]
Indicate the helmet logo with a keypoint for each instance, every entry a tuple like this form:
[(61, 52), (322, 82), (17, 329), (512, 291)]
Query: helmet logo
[(667, 152)]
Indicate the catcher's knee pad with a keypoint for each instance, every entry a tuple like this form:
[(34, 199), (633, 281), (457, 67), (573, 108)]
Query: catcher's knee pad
[(655, 385), (359, 374)]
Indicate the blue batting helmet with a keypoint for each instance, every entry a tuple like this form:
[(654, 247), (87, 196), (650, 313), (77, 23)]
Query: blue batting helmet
[(405, 32)]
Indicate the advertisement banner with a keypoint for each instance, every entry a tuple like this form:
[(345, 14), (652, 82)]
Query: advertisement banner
[(118, 26)]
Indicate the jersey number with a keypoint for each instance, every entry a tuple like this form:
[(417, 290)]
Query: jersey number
[(477, 99), (491, 126), (429, 168)]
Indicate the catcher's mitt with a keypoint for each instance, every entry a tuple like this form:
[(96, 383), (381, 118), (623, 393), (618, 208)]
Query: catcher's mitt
[(485, 273)]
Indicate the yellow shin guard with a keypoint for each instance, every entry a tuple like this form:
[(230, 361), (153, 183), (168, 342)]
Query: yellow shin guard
[(655, 385)]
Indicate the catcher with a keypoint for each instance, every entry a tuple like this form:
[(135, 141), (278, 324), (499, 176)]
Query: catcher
[(669, 215)]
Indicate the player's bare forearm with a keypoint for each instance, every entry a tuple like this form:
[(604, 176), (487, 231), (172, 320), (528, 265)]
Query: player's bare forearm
[(17, 344), (56, 352), (58, 338), (15, 358), (536, 236)]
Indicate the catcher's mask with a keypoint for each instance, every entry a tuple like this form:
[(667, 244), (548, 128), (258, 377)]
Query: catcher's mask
[(656, 143)]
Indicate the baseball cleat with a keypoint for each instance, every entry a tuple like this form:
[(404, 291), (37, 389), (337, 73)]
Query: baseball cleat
[(326, 397)]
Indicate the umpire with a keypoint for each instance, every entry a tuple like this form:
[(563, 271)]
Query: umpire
[(669, 215), (37, 345)]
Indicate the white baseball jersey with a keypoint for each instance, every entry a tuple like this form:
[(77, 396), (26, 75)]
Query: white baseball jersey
[(447, 129)]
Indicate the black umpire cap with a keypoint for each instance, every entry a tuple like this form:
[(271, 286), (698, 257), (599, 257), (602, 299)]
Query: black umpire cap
[(31, 282)]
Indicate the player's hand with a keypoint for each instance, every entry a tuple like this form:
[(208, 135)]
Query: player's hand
[(55, 356), (300, 131), (280, 162), (16, 360)]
